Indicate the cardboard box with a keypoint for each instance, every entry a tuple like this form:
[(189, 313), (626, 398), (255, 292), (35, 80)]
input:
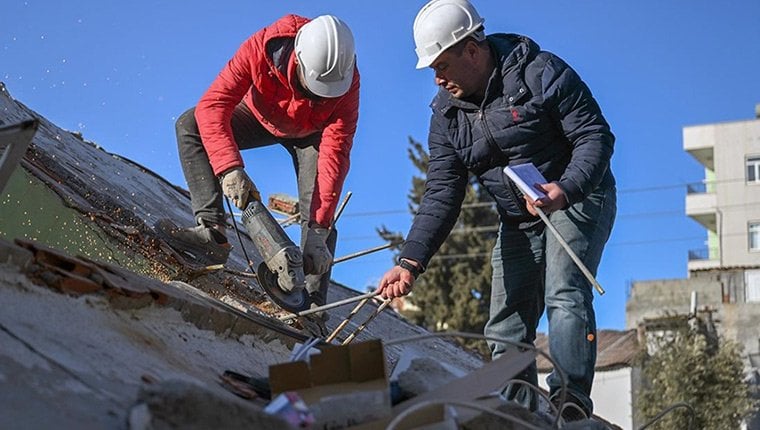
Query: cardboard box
[(343, 385)]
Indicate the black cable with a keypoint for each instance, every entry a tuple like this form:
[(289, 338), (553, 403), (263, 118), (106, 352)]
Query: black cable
[(472, 405), (692, 414), (237, 232), (441, 334), (537, 390)]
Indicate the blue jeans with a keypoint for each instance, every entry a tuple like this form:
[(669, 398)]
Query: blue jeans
[(531, 271)]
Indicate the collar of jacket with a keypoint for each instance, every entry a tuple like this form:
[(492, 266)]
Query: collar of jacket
[(279, 43), (512, 53)]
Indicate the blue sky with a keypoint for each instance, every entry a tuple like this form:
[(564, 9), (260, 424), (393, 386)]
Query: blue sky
[(121, 72)]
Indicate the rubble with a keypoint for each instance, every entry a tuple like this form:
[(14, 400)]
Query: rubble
[(103, 326), (423, 375), (178, 404)]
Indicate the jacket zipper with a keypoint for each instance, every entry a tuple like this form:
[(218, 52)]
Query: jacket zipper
[(494, 147)]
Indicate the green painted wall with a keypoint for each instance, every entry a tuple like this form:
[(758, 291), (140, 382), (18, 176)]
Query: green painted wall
[(713, 245), (709, 181), (31, 211)]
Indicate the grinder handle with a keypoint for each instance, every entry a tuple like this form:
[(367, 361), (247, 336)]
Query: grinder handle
[(255, 195), (308, 265)]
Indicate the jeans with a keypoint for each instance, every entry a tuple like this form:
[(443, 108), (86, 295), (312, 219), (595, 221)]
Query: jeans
[(206, 192), (531, 271)]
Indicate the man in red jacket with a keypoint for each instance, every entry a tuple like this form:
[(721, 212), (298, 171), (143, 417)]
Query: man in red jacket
[(295, 83)]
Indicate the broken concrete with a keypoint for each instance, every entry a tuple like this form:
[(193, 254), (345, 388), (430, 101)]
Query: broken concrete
[(86, 201), (97, 348), (128, 335), (178, 404), (75, 362), (423, 375)]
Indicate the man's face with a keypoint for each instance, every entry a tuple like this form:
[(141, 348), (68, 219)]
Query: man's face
[(454, 72), (302, 83)]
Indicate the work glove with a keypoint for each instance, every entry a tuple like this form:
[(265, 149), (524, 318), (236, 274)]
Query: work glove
[(238, 187), (316, 251)]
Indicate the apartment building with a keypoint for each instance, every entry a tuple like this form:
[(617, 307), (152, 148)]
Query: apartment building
[(725, 273), (727, 203)]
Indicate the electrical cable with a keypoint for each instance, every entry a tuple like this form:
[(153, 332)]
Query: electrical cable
[(621, 191), (423, 405), (406, 211), (612, 244), (304, 349), (560, 372), (535, 389), (692, 414), (240, 239)]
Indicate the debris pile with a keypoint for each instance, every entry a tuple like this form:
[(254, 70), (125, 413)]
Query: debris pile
[(104, 326)]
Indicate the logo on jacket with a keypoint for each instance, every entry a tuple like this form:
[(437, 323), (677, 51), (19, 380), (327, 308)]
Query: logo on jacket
[(516, 115)]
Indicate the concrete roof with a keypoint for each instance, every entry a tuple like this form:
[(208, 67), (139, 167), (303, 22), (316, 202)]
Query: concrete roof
[(95, 306)]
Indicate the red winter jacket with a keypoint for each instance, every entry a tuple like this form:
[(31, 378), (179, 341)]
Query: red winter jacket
[(281, 109)]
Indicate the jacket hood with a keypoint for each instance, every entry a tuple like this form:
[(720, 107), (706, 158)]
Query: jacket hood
[(280, 54)]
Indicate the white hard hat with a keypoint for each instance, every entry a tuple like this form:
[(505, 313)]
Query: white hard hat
[(325, 51), (442, 23)]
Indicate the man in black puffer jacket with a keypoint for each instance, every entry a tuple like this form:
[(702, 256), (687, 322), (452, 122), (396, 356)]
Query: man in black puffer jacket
[(502, 101)]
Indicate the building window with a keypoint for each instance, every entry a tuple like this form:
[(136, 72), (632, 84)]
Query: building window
[(753, 169), (754, 236), (752, 286)]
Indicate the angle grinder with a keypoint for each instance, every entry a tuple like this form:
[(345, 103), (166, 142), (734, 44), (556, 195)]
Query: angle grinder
[(281, 274)]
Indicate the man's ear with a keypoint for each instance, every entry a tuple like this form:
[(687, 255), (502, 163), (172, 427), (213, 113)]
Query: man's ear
[(472, 50)]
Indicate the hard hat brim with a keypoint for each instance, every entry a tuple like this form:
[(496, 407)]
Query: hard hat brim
[(328, 89), (427, 60)]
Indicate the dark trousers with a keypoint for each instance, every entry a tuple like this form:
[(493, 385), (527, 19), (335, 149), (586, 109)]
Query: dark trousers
[(206, 192)]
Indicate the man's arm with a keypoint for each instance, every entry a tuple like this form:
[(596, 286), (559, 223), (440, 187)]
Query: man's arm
[(445, 187), (334, 156), (583, 124), (214, 110)]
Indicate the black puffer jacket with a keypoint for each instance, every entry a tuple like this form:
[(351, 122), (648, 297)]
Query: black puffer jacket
[(536, 110)]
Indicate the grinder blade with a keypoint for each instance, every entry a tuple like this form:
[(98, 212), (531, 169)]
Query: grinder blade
[(294, 301)]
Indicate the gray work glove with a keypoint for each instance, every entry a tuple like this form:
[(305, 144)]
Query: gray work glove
[(315, 249), (238, 187)]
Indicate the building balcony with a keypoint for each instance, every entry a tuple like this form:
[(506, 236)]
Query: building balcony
[(705, 187), (699, 141), (702, 205), (704, 258)]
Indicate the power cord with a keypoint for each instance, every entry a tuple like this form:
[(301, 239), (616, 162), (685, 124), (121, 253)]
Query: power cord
[(424, 405), (692, 414), (562, 376), (538, 391), (562, 391), (237, 232)]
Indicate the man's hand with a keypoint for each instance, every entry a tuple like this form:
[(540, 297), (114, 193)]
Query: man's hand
[(396, 282), (238, 187), (315, 250), (555, 199)]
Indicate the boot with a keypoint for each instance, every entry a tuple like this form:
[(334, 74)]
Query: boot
[(571, 410), (205, 243)]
